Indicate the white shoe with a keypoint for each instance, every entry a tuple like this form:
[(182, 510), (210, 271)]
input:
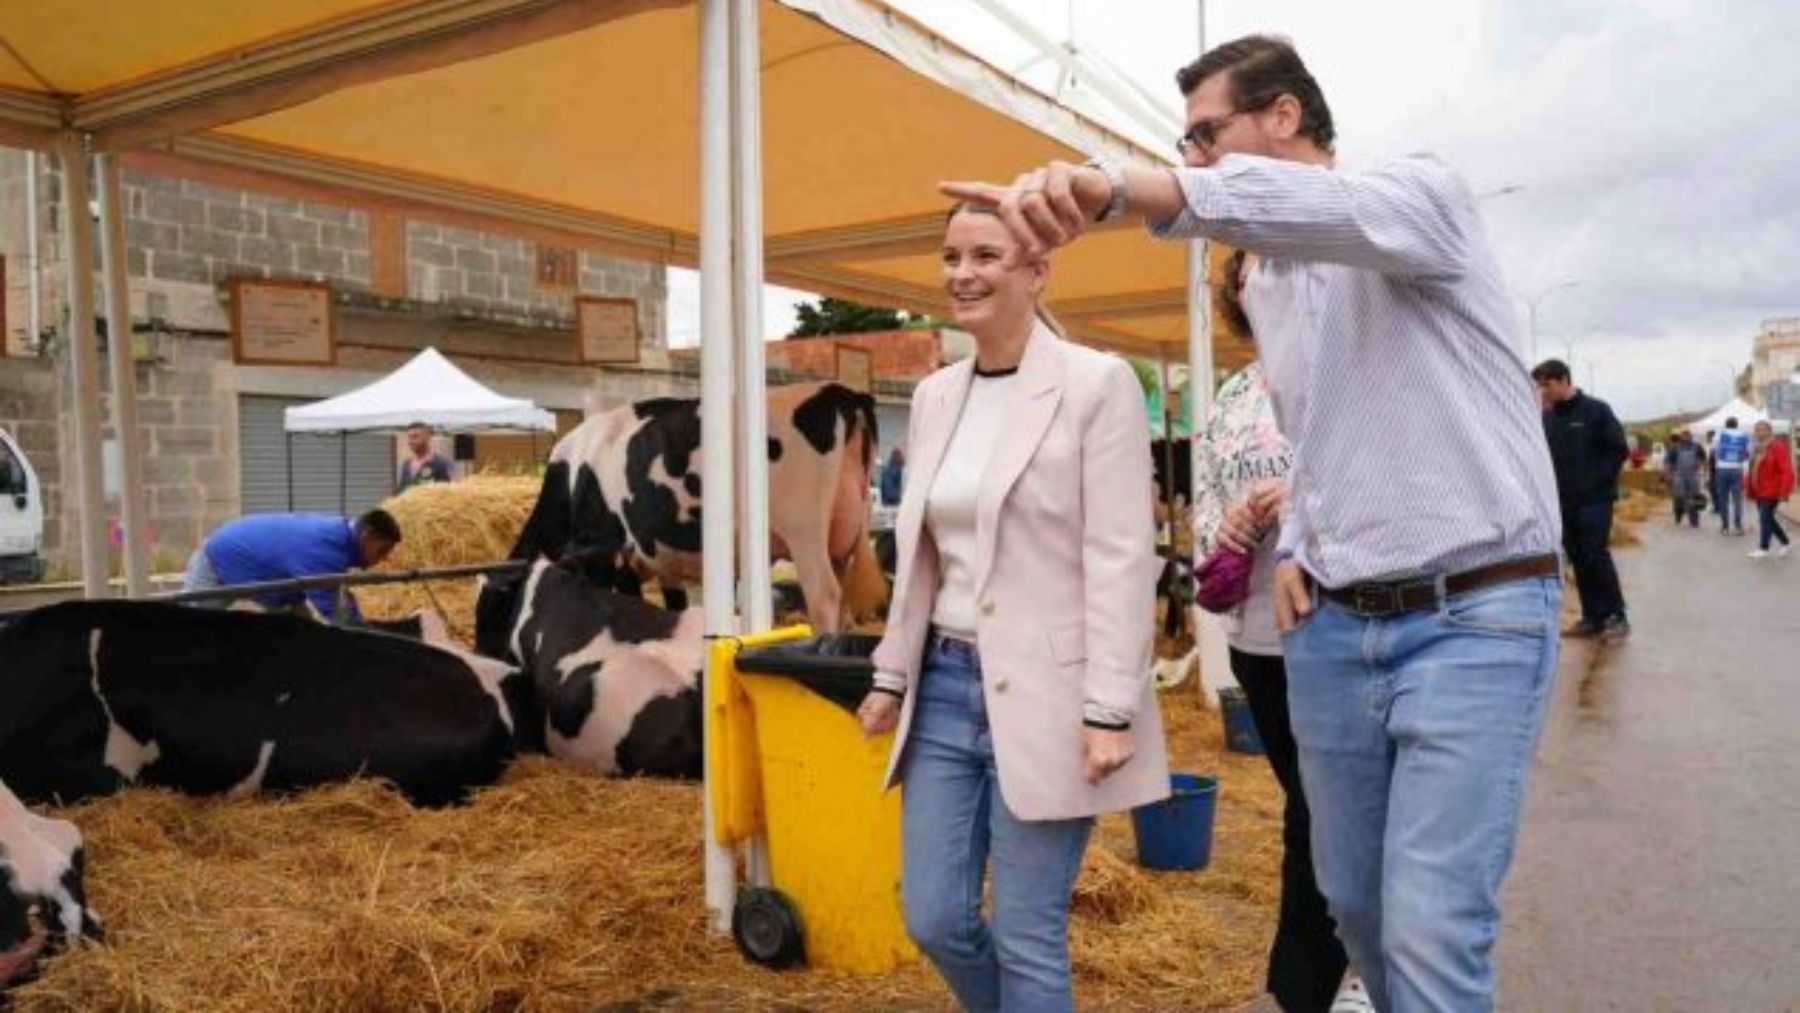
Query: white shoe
[(1352, 998), (1783, 550), (1758, 554)]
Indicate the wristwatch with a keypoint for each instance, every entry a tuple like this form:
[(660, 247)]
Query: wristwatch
[(1115, 178)]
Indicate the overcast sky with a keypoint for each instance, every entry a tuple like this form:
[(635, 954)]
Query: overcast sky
[(1656, 144)]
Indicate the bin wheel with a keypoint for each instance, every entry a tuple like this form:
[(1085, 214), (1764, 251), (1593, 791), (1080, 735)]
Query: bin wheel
[(767, 928)]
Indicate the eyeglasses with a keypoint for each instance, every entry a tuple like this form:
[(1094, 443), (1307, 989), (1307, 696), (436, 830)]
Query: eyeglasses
[(1204, 134)]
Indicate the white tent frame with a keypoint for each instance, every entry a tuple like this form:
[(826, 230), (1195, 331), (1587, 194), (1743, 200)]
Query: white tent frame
[(732, 385)]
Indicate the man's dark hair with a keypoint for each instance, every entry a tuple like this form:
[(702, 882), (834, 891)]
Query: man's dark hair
[(381, 524), (1264, 68), (1731, 423), (1551, 369)]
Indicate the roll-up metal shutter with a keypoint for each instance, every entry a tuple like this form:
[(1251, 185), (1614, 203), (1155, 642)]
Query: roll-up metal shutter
[(365, 462)]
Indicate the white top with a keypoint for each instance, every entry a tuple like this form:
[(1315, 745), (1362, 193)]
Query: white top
[(950, 506)]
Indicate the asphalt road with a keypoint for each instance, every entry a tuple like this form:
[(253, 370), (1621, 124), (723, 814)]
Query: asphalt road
[(1659, 863)]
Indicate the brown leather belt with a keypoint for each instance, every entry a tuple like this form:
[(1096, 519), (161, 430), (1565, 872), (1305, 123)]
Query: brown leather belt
[(1420, 594)]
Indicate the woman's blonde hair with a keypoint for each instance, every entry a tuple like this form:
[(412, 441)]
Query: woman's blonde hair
[(1043, 312)]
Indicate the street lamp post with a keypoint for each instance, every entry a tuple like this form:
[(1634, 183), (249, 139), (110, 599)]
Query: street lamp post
[(1531, 305)]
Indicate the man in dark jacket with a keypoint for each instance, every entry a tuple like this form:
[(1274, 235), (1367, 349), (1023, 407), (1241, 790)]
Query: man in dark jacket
[(1588, 448)]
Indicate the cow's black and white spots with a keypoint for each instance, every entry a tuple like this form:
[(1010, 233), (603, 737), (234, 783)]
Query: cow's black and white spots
[(99, 695), (42, 900), (617, 678), (623, 489)]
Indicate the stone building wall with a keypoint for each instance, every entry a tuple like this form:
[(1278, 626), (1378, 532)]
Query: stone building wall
[(472, 293)]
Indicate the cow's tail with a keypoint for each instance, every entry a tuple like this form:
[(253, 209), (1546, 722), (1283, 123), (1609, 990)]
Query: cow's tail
[(865, 586), (859, 419)]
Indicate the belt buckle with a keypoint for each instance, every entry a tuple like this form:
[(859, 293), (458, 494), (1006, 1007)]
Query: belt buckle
[(1376, 600)]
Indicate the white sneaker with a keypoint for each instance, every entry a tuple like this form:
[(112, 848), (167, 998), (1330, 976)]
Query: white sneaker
[(1352, 998), (1783, 550), (1758, 554)]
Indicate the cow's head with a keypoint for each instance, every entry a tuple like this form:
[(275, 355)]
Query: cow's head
[(496, 607), (42, 901)]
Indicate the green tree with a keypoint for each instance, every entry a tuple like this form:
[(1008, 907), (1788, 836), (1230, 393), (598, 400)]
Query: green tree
[(841, 316)]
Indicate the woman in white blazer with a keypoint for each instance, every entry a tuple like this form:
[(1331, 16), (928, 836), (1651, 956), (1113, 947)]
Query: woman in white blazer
[(1016, 664)]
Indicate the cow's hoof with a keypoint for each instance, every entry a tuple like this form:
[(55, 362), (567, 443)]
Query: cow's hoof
[(767, 928)]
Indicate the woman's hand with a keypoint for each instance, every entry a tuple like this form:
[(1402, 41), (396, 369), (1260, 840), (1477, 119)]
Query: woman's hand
[(1250, 521), (1237, 529), (879, 713), (1104, 752)]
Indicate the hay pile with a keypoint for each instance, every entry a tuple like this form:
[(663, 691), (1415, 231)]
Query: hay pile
[(560, 890), (1632, 509), (476, 520)]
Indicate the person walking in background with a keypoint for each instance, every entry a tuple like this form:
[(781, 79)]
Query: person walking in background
[(1712, 472), (1242, 485), (1684, 466), (1016, 665), (1418, 586), (1730, 459), (425, 465), (1770, 483), (1588, 450), (893, 477)]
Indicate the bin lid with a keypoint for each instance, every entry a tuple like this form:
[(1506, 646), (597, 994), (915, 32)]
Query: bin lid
[(836, 666)]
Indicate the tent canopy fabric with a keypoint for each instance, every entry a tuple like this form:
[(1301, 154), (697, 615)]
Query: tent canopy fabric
[(1746, 414), (582, 116), (428, 389)]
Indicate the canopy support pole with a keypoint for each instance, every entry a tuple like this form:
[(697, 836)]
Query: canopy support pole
[(752, 379), (1209, 632), (84, 364), (753, 413), (717, 487), (133, 511)]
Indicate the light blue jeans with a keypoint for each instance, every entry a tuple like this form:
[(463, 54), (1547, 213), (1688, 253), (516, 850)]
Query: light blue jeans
[(1416, 734), (202, 577), (954, 822)]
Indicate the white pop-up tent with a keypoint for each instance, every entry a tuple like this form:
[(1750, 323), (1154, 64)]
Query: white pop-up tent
[(428, 389), (1747, 415)]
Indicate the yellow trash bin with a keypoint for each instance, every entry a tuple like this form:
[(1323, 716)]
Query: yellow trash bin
[(790, 762)]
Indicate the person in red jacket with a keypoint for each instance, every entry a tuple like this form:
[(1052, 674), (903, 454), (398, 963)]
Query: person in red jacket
[(1770, 481)]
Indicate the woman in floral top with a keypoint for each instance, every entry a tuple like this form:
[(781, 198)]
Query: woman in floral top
[(1241, 487)]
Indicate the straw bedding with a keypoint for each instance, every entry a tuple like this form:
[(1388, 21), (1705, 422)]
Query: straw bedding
[(476, 520), (560, 890)]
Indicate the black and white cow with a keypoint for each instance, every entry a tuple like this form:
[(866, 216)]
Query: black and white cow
[(622, 490), (43, 904), (618, 678), (101, 694)]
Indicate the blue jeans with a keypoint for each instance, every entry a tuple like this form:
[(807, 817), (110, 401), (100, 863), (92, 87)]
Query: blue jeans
[(202, 577), (1416, 733), (954, 822), (1769, 523), (1731, 498)]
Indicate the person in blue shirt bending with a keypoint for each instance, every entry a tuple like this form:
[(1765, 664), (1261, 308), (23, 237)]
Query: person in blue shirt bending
[(1732, 456), (265, 547)]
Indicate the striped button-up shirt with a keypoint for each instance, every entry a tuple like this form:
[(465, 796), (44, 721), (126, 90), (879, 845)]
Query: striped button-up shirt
[(1391, 350)]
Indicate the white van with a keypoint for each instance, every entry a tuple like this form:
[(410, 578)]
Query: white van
[(21, 516)]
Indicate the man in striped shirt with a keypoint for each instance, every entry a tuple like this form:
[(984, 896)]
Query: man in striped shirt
[(1419, 587)]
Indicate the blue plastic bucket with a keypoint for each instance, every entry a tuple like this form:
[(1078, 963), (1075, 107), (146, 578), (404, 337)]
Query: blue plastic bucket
[(1240, 723), (1177, 833)]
